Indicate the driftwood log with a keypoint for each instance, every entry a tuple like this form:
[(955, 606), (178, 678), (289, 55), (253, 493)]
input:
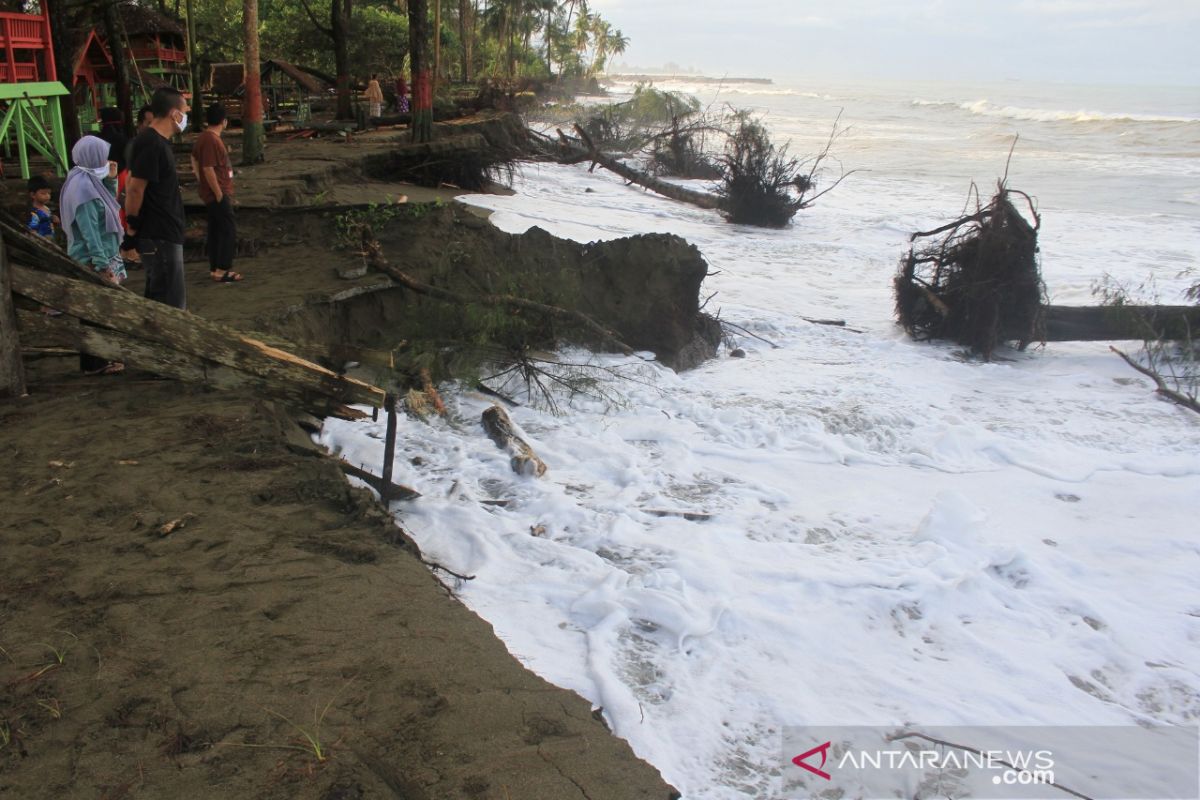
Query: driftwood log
[(502, 431)]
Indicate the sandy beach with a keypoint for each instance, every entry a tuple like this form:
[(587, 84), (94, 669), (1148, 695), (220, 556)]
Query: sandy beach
[(195, 602)]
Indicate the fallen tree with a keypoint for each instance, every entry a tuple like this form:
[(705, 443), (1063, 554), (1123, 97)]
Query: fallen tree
[(589, 151), (111, 322), (976, 281), (759, 184)]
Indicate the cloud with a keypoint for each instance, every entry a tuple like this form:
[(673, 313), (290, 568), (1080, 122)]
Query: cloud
[(1054, 40)]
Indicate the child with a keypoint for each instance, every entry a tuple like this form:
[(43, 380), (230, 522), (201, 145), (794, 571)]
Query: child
[(41, 219)]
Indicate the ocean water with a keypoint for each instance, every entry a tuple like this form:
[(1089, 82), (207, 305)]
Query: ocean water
[(898, 535)]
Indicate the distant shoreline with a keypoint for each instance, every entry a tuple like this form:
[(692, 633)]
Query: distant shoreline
[(681, 78)]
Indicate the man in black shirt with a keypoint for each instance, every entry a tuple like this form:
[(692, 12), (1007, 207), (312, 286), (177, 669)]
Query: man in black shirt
[(153, 203)]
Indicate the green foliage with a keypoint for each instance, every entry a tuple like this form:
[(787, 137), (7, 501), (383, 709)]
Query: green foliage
[(1175, 362), (348, 225), (510, 38), (759, 177), (632, 124)]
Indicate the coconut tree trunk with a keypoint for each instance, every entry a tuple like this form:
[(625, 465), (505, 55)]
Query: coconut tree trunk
[(252, 110), (437, 43), (61, 42), (466, 28), (339, 26), (193, 62), (422, 88), (116, 47)]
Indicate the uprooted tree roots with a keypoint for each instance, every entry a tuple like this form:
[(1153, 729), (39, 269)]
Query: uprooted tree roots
[(975, 281)]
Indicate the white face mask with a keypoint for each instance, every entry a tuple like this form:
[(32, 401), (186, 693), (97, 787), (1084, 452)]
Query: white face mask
[(99, 172), (183, 124)]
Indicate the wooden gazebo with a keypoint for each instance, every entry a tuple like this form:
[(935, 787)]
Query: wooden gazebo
[(30, 116)]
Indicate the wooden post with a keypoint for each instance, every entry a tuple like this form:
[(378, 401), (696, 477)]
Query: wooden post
[(389, 449), (12, 371)]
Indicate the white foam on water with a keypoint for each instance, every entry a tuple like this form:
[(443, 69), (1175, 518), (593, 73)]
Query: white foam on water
[(897, 534)]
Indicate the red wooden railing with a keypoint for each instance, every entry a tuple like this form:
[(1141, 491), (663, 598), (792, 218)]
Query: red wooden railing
[(25, 32), (159, 54)]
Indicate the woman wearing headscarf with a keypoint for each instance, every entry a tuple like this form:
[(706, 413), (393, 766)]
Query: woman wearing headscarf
[(374, 96), (91, 219)]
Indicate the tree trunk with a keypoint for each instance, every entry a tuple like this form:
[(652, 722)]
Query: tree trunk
[(549, 26), (437, 43), (422, 87), (193, 64), (339, 25), (577, 154), (120, 57), (1108, 323), (126, 327), (252, 110), (61, 43), (466, 27)]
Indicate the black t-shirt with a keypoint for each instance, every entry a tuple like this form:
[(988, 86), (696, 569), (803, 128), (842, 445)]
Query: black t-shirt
[(161, 216)]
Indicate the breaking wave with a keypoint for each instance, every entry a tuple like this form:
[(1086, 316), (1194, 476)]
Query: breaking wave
[(986, 108)]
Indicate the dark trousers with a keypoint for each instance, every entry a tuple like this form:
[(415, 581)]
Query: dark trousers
[(221, 240), (163, 262)]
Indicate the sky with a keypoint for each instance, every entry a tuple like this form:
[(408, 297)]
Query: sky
[(1150, 42)]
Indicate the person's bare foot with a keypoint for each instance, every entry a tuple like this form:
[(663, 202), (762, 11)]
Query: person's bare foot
[(226, 276)]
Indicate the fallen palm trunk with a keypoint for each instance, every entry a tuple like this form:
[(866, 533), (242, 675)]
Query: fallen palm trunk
[(978, 283), (110, 322), (1115, 323), (590, 153), (501, 430)]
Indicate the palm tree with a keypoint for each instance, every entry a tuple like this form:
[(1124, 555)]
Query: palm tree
[(252, 109)]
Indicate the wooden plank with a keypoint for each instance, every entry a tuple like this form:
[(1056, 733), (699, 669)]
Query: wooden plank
[(29, 249), (42, 330), (395, 491), (12, 369), (121, 310)]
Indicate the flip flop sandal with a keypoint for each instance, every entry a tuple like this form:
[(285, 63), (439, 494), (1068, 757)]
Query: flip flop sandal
[(230, 277), (111, 368)]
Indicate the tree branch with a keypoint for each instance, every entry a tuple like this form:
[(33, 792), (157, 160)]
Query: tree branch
[(1172, 395), (327, 31)]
